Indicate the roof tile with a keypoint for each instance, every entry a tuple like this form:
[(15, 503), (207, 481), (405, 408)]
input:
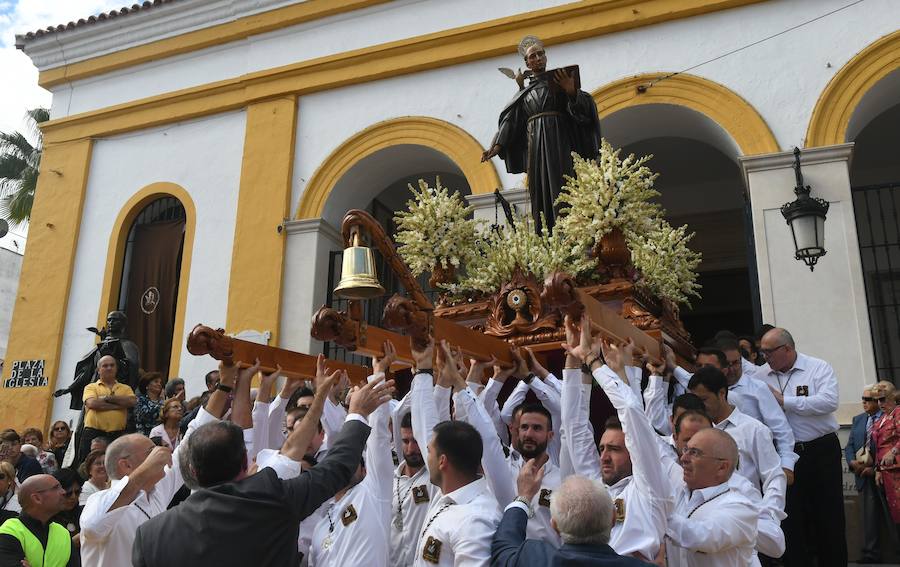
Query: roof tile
[(82, 22)]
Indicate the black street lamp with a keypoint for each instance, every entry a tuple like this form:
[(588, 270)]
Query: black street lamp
[(806, 217)]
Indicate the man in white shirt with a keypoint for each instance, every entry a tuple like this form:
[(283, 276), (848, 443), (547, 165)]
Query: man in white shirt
[(464, 514), (713, 524), (355, 529), (628, 462), (807, 389), (758, 463), (754, 398), (411, 497), (141, 487)]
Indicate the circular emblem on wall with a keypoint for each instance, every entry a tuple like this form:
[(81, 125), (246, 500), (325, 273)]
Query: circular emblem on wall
[(150, 300)]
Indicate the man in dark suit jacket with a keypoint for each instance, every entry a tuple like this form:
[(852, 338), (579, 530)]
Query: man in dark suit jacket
[(873, 505), (581, 511), (242, 520)]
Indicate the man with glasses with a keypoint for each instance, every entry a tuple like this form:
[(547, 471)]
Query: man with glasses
[(754, 398), (11, 451), (32, 537), (712, 523), (807, 389)]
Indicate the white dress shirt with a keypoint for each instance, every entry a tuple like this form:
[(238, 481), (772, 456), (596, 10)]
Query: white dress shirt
[(810, 391), (355, 530), (756, 400), (107, 537), (714, 527), (538, 525), (758, 462), (409, 505), (459, 525), (645, 495), (656, 406)]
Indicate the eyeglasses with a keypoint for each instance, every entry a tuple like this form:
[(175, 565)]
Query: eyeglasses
[(879, 400), (695, 453), (868, 399), (3, 476), (770, 351), (58, 486), (60, 429)]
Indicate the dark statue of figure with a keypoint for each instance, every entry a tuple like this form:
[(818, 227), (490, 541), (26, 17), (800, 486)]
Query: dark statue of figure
[(112, 342), (546, 121)]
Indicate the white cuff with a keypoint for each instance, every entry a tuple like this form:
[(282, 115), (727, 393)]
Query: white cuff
[(356, 417)]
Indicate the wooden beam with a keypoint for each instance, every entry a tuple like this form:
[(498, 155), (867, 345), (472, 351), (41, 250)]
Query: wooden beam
[(614, 326)]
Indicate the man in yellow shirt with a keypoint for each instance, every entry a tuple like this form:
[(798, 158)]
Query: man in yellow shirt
[(106, 404)]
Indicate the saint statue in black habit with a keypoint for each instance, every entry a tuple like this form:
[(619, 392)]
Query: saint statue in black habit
[(546, 121)]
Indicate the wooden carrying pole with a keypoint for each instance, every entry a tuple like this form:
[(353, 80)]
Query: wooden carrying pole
[(204, 340)]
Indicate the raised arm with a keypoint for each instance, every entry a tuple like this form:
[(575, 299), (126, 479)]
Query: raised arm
[(424, 412), (578, 436), (379, 466)]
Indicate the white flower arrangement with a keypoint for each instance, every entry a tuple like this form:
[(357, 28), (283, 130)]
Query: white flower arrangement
[(668, 267), (437, 228), (606, 194), (518, 245)]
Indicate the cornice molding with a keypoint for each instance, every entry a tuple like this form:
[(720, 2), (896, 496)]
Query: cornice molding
[(316, 225), (809, 156)]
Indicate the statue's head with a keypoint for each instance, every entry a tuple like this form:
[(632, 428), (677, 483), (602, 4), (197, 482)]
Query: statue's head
[(532, 50), (115, 322)]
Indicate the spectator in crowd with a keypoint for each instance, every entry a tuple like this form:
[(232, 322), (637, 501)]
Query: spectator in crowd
[(168, 431), (886, 439), (175, 389), (149, 402), (33, 539), (11, 450), (750, 351), (235, 519), (9, 503), (807, 389), (212, 379), (106, 404), (33, 436), (861, 461), (70, 515), (581, 512), (95, 475), (60, 435)]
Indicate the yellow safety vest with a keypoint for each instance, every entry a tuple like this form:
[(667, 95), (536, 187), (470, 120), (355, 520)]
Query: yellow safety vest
[(59, 543)]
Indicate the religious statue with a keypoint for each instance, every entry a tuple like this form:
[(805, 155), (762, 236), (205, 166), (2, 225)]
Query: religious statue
[(546, 121), (114, 342)]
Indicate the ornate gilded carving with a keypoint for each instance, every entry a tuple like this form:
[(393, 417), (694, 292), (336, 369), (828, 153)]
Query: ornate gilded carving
[(331, 325), (517, 309), (638, 316), (559, 294), (403, 315)]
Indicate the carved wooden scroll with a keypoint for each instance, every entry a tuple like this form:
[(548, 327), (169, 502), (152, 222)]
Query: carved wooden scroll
[(204, 340), (561, 293)]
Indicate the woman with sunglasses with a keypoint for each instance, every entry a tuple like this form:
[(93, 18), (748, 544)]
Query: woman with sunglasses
[(9, 503), (886, 438), (60, 435), (70, 516)]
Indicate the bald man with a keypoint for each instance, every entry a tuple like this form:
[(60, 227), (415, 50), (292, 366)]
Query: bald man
[(713, 523), (106, 404), (32, 536), (807, 389)]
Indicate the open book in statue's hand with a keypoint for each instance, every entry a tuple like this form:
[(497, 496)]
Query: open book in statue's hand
[(550, 76)]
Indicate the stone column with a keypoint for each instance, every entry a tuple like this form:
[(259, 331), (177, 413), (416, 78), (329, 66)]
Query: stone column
[(824, 310), (309, 242)]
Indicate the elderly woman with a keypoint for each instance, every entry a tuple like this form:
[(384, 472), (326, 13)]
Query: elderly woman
[(33, 436), (60, 435), (886, 439), (9, 504), (149, 402), (95, 471), (168, 431)]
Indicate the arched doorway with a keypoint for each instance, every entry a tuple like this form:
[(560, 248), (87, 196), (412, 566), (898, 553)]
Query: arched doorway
[(150, 276), (700, 185), (874, 127)]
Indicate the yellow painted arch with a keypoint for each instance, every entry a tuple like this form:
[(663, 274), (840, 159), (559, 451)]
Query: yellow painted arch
[(112, 275), (721, 105), (836, 104), (447, 138)]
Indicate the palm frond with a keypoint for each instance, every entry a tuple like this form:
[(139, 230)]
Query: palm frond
[(15, 142), (16, 208), (12, 166), (34, 118)]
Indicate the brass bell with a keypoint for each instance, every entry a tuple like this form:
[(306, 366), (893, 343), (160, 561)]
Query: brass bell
[(358, 277)]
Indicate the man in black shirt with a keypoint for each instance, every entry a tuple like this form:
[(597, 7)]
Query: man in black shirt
[(10, 450)]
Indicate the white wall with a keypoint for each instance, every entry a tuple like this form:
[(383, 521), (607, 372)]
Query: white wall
[(10, 268), (204, 158)]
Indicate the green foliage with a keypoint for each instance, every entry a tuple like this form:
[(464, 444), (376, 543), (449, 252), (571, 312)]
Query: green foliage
[(19, 166)]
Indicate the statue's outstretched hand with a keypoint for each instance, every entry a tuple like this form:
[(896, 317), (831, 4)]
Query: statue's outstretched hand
[(488, 154)]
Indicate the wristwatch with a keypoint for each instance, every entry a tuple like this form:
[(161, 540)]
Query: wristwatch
[(531, 376), (224, 388), (527, 504)]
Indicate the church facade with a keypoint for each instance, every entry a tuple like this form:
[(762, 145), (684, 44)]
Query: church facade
[(250, 128)]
